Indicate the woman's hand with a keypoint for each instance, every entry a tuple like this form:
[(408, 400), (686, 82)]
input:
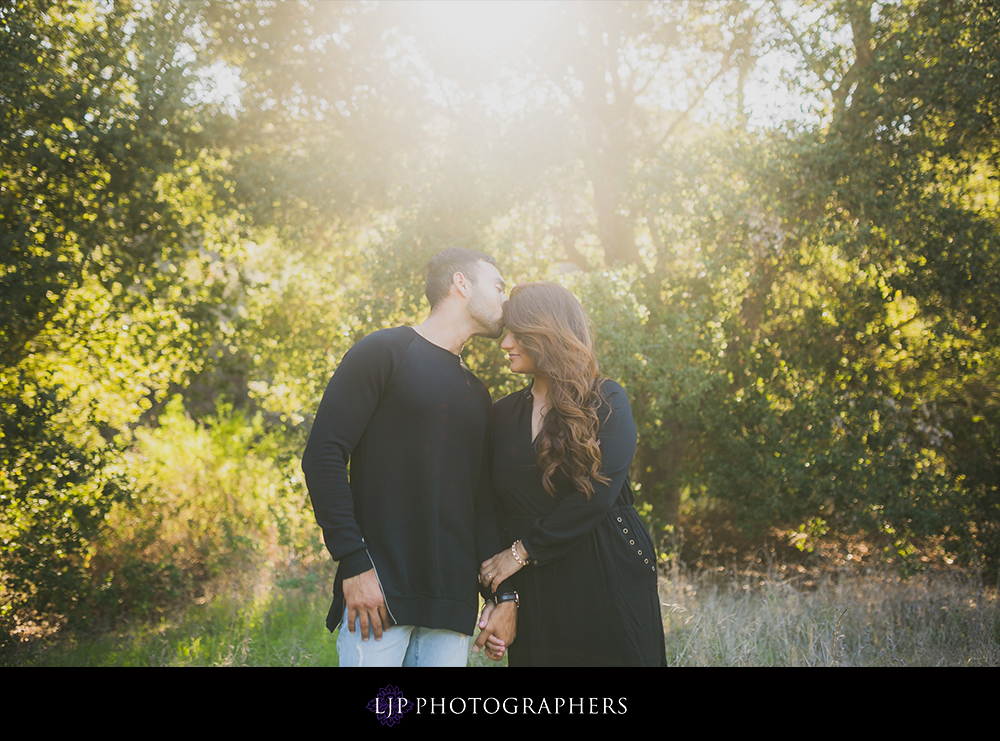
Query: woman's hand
[(494, 649), (499, 568)]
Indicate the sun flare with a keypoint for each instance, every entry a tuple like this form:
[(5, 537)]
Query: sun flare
[(482, 23)]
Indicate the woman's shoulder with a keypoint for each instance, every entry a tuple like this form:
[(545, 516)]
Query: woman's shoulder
[(615, 406), (512, 400), (609, 385), (613, 392)]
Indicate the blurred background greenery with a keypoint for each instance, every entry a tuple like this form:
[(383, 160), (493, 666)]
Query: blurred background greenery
[(783, 219)]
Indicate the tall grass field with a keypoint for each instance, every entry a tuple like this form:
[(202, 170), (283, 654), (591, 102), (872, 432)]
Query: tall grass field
[(874, 620)]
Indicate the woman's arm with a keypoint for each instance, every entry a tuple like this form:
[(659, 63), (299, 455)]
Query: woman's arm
[(554, 535)]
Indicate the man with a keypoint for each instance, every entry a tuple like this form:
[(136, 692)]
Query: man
[(411, 524)]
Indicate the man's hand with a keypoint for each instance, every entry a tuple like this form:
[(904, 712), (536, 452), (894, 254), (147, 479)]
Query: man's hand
[(364, 600), (498, 629)]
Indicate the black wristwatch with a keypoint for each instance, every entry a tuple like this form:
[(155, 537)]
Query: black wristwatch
[(507, 597)]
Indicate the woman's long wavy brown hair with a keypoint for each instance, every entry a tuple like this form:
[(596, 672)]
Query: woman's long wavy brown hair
[(551, 327)]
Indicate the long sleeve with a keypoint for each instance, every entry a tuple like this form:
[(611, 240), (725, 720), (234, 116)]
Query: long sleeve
[(348, 404), (553, 535), (488, 540)]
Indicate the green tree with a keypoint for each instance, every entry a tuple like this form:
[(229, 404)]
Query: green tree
[(846, 270), (220, 198), (109, 277), (788, 291)]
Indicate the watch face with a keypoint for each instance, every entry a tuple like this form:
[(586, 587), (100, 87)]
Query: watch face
[(508, 597)]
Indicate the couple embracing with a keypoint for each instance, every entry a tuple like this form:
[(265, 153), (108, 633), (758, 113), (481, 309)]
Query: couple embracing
[(526, 502)]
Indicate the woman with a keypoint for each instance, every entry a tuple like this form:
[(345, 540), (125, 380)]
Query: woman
[(581, 560)]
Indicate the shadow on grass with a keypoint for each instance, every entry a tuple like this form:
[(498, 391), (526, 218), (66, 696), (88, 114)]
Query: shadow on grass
[(854, 620), (281, 626)]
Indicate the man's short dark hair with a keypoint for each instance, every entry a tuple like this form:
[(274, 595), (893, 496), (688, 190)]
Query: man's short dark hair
[(443, 266)]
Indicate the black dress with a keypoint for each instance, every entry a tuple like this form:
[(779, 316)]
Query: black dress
[(589, 596)]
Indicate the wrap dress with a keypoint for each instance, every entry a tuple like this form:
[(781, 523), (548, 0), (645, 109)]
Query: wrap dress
[(588, 597)]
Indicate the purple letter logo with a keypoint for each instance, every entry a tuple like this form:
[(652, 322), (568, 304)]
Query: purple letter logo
[(389, 705)]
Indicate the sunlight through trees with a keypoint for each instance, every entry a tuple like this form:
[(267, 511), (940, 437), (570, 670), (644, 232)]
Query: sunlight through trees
[(782, 218)]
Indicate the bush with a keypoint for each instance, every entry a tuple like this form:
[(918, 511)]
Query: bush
[(217, 500), (56, 487)]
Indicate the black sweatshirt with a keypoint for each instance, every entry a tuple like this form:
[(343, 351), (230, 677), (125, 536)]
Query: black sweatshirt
[(412, 419)]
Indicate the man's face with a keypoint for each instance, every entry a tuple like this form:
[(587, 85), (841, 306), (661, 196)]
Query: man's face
[(486, 300)]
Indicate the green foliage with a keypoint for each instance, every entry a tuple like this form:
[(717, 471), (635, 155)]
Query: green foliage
[(94, 112), (55, 489), (111, 273), (215, 498), (803, 314), (803, 325)]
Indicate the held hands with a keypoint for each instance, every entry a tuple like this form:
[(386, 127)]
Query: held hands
[(365, 601), (498, 623), (497, 629)]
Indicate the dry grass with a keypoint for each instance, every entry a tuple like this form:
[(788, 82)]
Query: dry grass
[(835, 620), (710, 619)]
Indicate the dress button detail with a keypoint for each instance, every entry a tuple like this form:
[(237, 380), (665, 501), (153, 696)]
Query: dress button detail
[(631, 542), (619, 519), (640, 553), (625, 530)]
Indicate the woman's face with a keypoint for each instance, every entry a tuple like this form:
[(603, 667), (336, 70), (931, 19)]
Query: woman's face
[(519, 360)]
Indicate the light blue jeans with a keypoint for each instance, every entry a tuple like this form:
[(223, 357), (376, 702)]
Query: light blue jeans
[(402, 645)]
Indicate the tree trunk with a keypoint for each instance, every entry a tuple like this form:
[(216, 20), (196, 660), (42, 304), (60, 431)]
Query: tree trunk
[(617, 232)]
